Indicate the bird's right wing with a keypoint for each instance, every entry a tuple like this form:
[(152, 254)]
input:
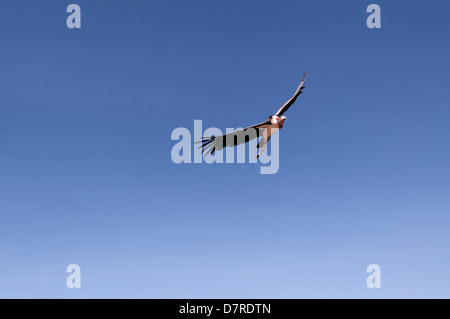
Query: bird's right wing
[(291, 101), (216, 143)]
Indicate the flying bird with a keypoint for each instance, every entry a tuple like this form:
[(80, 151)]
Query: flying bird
[(264, 130)]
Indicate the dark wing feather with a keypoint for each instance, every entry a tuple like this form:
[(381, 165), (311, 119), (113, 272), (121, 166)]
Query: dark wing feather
[(291, 101), (215, 143)]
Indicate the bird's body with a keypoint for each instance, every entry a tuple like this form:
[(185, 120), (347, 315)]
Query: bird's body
[(276, 124), (264, 130)]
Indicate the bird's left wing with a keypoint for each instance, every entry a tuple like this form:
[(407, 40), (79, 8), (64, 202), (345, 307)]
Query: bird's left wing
[(216, 143), (291, 101)]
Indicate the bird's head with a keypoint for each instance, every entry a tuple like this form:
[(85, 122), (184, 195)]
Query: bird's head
[(280, 120)]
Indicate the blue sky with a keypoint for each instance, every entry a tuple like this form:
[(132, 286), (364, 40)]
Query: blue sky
[(85, 170)]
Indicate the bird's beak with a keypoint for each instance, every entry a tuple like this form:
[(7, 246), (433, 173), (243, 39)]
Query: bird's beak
[(283, 117)]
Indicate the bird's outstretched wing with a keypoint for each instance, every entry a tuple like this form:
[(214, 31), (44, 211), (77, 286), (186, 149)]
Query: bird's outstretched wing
[(291, 101), (216, 143)]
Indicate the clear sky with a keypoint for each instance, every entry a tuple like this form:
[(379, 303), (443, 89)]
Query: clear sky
[(86, 175)]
